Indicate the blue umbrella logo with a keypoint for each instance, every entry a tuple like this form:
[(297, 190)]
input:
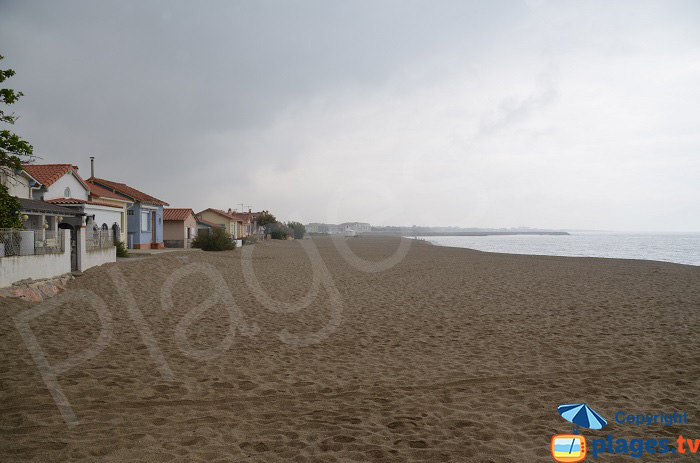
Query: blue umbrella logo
[(581, 415)]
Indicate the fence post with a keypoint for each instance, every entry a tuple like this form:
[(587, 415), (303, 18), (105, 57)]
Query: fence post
[(81, 247)]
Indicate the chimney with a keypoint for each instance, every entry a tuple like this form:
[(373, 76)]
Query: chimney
[(229, 210), (92, 166)]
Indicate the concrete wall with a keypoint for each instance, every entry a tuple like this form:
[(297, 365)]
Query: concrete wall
[(95, 257), (88, 258), (36, 267)]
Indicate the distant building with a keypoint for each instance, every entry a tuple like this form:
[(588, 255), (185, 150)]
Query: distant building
[(333, 229), (357, 227)]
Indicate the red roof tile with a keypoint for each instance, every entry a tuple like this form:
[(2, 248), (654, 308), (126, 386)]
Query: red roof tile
[(177, 214), (128, 191), (220, 212), (48, 174), (80, 201), (242, 216), (208, 223), (99, 192)]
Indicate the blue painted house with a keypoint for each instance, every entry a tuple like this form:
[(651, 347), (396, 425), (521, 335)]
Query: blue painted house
[(144, 217)]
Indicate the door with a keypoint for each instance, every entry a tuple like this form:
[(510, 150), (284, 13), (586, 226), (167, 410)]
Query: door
[(153, 227), (73, 250), (73, 244)]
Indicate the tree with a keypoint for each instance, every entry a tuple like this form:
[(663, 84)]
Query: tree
[(298, 229), (266, 218), (13, 150), (9, 210)]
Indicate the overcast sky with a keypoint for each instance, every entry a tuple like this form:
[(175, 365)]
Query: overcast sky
[(488, 114)]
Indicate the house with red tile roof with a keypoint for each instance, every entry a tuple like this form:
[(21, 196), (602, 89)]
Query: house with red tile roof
[(144, 216), (226, 219), (179, 227), (205, 224), (62, 185)]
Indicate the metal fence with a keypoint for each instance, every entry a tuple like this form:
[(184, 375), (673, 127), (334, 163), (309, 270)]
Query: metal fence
[(16, 242), (99, 239), (9, 242), (48, 242)]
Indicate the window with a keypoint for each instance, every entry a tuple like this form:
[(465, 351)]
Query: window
[(105, 227), (130, 212), (145, 221), (66, 193)]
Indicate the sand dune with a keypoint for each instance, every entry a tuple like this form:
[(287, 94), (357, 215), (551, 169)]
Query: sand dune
[(451, 355)]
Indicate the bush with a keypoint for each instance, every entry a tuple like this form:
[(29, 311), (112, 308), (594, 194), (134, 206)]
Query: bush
[(298, 230), (121, 248), (215, 239), (279, 231)]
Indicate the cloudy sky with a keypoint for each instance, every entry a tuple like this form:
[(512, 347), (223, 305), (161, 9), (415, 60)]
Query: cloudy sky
[(490, 114)]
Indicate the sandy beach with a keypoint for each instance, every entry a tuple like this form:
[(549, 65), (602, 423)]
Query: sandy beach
[(450, 355)]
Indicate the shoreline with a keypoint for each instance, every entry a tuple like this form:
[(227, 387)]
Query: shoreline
[(509, 252)]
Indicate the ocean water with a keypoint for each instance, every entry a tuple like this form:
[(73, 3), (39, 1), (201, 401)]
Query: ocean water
[(681, 248)]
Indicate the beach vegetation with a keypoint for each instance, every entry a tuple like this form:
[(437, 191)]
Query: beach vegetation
[(298, 229), (279, 231), (121, 248), (215, 239)]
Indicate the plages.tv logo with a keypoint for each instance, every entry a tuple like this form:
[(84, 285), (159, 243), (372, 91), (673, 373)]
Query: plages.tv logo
[(570, 448)]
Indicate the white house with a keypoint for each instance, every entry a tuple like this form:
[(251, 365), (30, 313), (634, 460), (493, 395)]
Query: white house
[(62, 185), (19, 183)]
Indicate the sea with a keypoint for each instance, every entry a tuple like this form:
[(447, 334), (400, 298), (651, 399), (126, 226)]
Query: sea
[(680, 248)]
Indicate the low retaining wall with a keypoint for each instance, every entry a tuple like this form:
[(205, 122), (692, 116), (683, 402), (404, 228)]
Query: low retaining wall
[(98, 256), (18, 268)]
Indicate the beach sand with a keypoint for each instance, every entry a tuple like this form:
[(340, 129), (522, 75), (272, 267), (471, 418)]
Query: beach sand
[(450, 355)]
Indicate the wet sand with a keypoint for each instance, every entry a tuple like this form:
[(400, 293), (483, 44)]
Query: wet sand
[(450, 355)]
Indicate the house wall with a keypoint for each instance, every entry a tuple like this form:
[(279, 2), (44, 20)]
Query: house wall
[(16, 268), (56, 190), (17, 185), (123, 223), (175, 232), (229, 225), (104, 215), (137, 238)]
